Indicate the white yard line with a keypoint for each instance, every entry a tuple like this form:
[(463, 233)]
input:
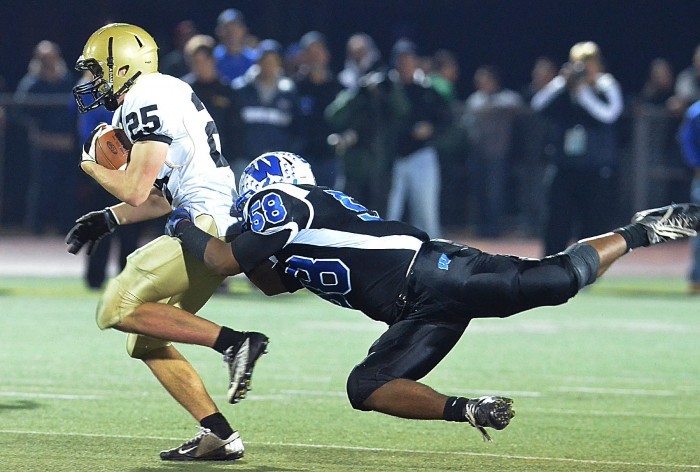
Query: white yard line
[(372, 449), (617, 391)]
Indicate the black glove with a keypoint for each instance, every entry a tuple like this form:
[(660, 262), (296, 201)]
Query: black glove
[(89, 229)]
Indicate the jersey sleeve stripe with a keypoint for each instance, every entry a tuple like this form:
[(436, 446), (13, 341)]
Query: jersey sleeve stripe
[(334, 238), (161, 138)]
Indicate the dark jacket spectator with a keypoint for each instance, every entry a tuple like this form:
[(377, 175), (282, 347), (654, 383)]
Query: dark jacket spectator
[(317, 88), (269, 107), (219, 98)]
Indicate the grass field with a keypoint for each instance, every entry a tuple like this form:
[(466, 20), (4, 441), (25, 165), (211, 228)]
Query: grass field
[(610, 381)]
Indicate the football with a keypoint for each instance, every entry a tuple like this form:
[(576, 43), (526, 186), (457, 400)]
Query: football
[(112, 149)]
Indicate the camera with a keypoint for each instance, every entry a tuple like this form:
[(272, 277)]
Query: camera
[(577, 71), (374, 81)]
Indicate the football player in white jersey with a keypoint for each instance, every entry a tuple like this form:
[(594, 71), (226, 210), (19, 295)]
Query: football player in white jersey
[(175, 162)]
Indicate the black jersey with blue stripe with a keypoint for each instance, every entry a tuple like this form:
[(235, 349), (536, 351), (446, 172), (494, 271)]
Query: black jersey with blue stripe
[(330, 244)]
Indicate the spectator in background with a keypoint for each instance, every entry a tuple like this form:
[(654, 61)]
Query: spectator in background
[(219, 98), (51, 199), (450, 144), (530, 162), (689, 137), (489, 92), (269, 107), (293, 60), (658, 88), (687, 87), (488, 118), (233, 55), (363, 118), (415, 176), (583, 102), (361, 58), (543, 71), (317, 88), (445, 74), (174, 63)]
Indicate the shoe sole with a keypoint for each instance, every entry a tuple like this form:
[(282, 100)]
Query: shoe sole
[(229, 457), (238, 392)]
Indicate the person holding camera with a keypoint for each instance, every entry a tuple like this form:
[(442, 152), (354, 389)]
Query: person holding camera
[(362, 119), (582, 103), (416, 168)]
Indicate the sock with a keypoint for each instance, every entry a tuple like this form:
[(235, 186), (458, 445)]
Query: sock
[(455, 408), (227, 337), (635, 235), (218, 425)]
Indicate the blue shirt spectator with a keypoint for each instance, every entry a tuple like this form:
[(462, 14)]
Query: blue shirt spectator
[(233, 56), (689, 136)]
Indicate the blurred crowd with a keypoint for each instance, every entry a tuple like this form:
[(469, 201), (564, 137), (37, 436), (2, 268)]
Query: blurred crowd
[(560, 158)]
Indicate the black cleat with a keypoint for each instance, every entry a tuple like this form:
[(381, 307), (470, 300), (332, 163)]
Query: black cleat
[(489, 412), (207, 446), (241, 360), (677, 221)]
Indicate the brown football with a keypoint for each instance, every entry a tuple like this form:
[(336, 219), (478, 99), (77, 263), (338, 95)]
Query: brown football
[(112, 149)]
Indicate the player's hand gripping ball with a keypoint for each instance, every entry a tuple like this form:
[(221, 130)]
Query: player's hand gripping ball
[(107, 146)]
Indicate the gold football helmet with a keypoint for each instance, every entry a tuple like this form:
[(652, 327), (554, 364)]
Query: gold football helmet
[(116, 55)]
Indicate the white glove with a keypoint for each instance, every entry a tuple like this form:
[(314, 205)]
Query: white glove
[(88, 153)]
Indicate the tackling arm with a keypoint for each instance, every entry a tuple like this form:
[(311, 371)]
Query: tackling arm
[(214, 253), (218, 256), (266, 278)]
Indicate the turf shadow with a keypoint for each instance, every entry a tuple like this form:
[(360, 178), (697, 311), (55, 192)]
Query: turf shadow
[(214, 466), (19, 405)]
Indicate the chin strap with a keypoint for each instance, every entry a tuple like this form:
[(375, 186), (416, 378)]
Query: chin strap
[(111, 102)]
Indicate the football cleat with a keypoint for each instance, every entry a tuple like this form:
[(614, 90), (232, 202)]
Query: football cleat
[(489, 412), (207, 446), (677, 221), (241, 360)]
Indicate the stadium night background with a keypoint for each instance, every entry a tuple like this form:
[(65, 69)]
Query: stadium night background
[(607, 382), (509, 34)]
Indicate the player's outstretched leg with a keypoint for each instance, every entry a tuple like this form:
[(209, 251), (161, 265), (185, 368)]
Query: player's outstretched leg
[(241, 359), (648, 227), (207, 446), (677, 221)]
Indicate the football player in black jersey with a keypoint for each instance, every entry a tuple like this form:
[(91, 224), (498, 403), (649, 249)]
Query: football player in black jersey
[(425, 290)]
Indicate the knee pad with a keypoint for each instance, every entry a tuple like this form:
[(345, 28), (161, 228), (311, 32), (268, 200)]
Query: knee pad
[(116, 304), (585, 261), (552, 282), (137, 345), (362, 382)]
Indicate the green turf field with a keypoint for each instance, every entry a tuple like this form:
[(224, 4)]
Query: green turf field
[(610, 381)]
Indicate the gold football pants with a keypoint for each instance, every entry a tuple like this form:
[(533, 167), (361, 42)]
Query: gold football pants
[(159, 272)]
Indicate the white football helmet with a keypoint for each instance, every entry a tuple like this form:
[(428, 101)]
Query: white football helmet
[(271, 168)]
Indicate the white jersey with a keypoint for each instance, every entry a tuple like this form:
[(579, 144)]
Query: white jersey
[(195, 175)]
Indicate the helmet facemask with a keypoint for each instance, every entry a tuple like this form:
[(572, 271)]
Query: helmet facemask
[(99, 89)]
